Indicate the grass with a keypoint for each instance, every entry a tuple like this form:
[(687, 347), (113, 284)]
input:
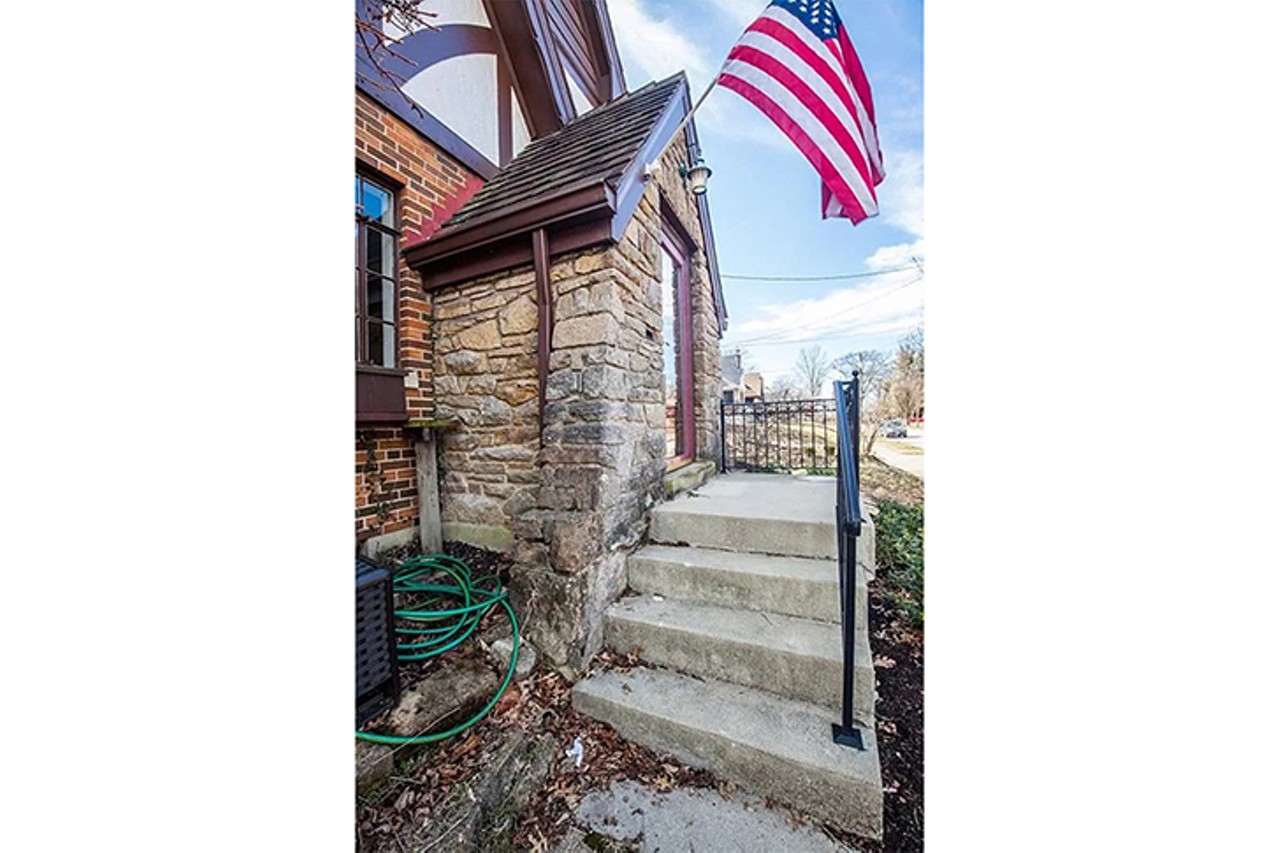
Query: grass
[(899, 447)]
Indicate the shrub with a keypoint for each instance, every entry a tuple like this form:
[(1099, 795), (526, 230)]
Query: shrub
[(900, 556)]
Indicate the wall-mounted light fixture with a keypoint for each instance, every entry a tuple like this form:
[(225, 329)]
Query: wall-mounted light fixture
[(696, 176)]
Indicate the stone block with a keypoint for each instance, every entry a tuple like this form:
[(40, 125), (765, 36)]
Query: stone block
[(583, 331), (519, 317), (574, 541), (464, 362), (481, 336), (589, 263)]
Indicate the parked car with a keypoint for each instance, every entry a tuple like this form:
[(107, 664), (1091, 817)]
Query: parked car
[(893, 429)]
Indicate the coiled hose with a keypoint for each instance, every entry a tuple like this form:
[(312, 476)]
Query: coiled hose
[(448, 604)]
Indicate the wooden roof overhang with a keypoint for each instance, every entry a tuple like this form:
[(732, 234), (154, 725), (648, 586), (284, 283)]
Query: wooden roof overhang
[(574, 218), (503, 226)]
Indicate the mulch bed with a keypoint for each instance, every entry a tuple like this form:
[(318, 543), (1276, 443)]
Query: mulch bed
[(539, 705), (898, 653)]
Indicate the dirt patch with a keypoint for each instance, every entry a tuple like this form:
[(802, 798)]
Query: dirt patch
[(898, 652), (880, 481)]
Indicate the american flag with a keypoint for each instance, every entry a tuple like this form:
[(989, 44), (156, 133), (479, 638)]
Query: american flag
[(797, 65)]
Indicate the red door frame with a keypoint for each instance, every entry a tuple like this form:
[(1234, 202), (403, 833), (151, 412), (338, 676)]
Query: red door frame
[(683, 306)]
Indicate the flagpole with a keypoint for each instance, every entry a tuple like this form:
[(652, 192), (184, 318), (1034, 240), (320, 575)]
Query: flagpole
[(651, 168)]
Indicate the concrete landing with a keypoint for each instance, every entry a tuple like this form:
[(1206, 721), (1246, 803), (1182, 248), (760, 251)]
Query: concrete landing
[(688, 819), (773, 747), (763, 513)]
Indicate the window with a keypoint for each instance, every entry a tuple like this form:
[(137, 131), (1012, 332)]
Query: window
[(379, 381), (376, 261)]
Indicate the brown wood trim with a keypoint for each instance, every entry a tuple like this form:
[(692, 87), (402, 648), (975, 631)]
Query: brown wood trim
[(546, 108), (576, 200), (616, 80), (380, 396), (505, 142), (483, 261), (542, 283), (495, 257), (674, 226)]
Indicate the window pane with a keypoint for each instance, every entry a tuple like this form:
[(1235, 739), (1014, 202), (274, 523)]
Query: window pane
[(388, 345), (382, 344), (375, 342), (377, 205), (380, 299), (380, 252)]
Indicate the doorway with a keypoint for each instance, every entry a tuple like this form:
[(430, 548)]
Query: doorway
[(677, 360)]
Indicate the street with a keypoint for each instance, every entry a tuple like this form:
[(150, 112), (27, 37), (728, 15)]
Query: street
[(905, 454)]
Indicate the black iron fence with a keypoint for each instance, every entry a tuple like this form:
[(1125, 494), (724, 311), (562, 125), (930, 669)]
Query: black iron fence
[(848, 529), (779, 435)]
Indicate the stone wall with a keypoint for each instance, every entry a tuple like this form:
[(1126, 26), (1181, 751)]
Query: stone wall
[(571, 501), (486, 381)]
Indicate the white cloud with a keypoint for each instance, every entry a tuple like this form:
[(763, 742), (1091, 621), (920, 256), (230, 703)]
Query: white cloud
[(901, 194), (740, 12), (653, 48), (888, 304), (897, 255)]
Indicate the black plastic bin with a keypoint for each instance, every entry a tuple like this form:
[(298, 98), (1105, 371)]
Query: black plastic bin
[(377, 676)]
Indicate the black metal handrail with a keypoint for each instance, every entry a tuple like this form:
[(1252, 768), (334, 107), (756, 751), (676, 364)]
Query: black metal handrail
[(848, 529)]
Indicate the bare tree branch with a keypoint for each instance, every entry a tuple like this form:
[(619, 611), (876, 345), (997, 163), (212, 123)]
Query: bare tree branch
[(812, 367), (379, 47)]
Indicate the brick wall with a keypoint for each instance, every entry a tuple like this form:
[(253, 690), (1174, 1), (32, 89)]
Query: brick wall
[(386, 486), (431, 186)]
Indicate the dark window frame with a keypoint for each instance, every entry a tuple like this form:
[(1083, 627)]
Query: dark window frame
[(379, 388)]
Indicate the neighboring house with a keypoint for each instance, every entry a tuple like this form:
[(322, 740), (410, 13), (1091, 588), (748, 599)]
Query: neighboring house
[(538, 312), (752, 388)]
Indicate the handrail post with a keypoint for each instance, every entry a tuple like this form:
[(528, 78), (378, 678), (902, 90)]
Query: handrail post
[(848, 529)]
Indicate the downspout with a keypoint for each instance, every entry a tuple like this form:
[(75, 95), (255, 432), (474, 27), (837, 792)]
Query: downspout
[(542, 284)]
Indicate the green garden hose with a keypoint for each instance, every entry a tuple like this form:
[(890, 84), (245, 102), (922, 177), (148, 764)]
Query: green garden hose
[(449, 611)]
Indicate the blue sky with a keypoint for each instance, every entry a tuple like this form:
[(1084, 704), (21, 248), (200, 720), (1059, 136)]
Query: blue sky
[(765, 196)]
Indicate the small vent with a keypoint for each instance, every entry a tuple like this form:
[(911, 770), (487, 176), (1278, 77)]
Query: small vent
[(377, 677)]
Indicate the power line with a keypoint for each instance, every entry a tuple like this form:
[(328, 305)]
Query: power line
[(774, 336), (821, 277)]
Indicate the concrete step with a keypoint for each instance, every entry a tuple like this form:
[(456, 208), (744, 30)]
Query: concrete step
[(763, 513), (794, 586), (772, 747), (792, 657)]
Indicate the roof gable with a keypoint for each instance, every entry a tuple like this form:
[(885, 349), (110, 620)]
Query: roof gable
[(598, 147)]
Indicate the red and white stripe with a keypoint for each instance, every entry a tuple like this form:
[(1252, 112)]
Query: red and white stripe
[(817, 94)]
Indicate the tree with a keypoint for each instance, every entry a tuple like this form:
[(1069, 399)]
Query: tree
[(783, 388), (907, 381), (812, 367), (873, 378), (372, 18)]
